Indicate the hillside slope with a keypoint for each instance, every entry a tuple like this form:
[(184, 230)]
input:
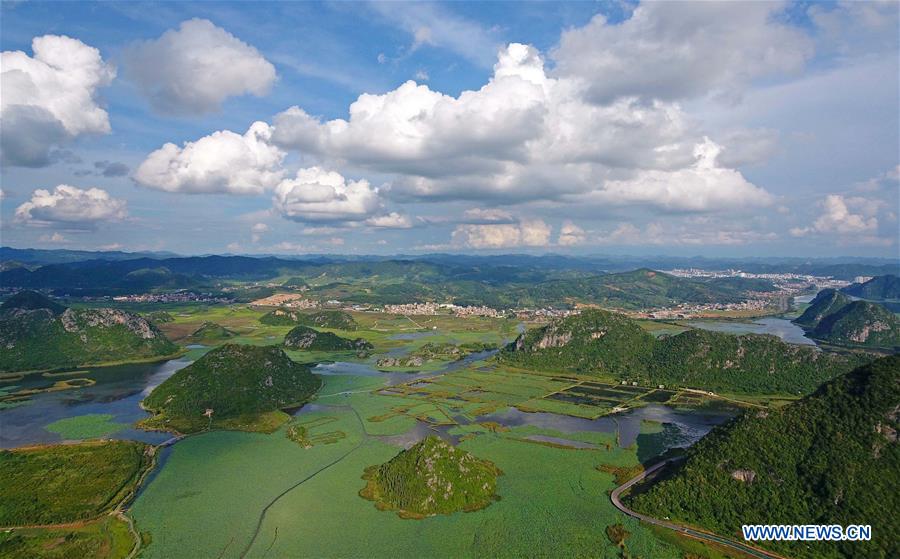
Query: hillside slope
[(608, 344), (824, 303), (830, 458), (594, 341), (877, 288), (860, 323), (37, 333), (637, 289)]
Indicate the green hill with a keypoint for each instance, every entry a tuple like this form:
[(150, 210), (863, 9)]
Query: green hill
[(239, 383), (212, 332), (295, 282), (825, 302), (860, 323), (306, 338), (611, 345), (637, 289), (337, 320), (37, 333), (31, 301), (160, 317), (830, 458), (878, 288), (431, 477), (593, 342), (752, 363)]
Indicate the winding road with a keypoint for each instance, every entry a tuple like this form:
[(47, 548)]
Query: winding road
[(690, 532)]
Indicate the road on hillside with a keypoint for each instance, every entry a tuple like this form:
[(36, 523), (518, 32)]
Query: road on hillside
[(706, 536)]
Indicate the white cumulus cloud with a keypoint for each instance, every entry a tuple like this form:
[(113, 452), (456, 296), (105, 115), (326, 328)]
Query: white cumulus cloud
[(393, 220), (522, 136), (72, 206), (195, 68), (838, 218), (674, 50), (570, 234), (50, 98), (316, 194), (702, 186), (532, 233), (223, 162)]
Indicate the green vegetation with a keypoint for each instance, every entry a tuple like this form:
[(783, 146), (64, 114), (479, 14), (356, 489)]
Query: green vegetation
[(752, 363), (860, 323), (830, 458), (432, 477), (879, 288), (295, 282), (337, 320), (306, 338), (825, 302), (567, 517), (609, 345), (595, 341), (638, 289), (311, 432), (834, 318), (230, 387), (106, 538), (160, 317), (211, 332), (90, 426), (38, 334), (30, 301), (68, 483)]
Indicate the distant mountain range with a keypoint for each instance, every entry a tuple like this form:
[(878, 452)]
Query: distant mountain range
[(842, 268)]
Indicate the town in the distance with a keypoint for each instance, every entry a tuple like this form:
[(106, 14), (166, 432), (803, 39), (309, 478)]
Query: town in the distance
[(635, 407)]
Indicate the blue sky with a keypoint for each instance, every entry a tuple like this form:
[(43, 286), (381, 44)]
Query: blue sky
[(611, 127)]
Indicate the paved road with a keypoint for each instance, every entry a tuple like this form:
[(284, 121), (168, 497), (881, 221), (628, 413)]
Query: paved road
[(706, 536)]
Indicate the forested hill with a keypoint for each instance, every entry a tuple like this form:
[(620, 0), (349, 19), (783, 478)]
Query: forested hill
[(236, 382), (607, 344), (831, 458), (860, 323), (878, 288), (824, 303), (835, 318), (37, 333)]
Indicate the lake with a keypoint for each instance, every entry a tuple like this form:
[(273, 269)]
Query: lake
[(117, 392), (781, 327)]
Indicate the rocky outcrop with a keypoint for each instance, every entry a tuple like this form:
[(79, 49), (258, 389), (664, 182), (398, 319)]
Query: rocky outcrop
[(74, 320)]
